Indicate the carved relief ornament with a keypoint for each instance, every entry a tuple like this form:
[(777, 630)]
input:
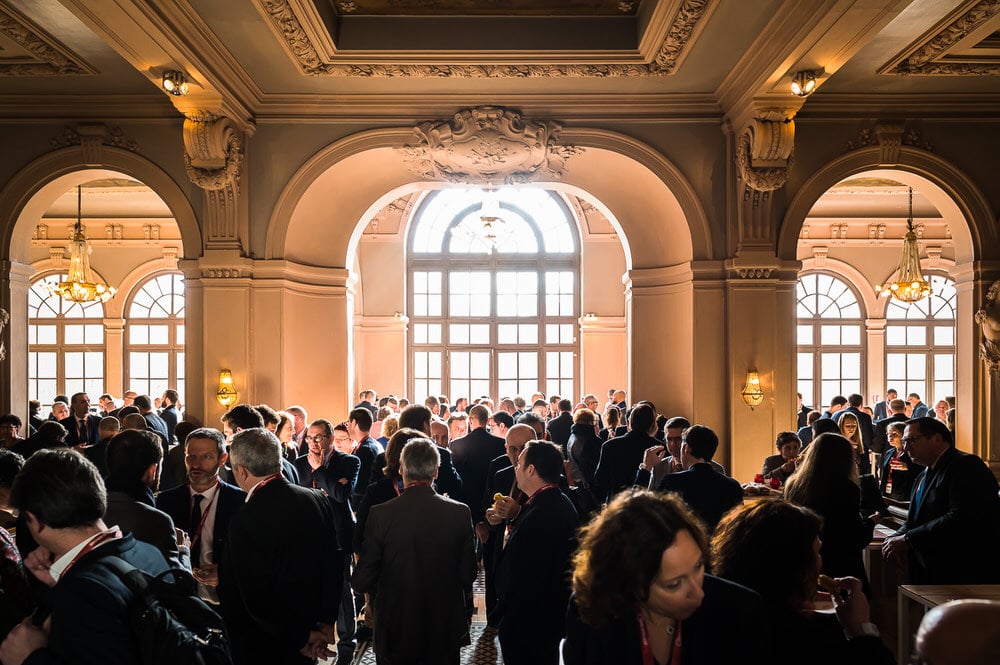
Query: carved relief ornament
[(988, 318), (764, 153), (487, 145), (213, 152), (929, 58), (300, 45), (51, 58)]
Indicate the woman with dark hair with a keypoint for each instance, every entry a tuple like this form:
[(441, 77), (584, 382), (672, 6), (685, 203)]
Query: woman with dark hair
[(641, 594), (773, 547), (827, 482), (851, 430), (584, 448), (784, 464), (285, 432)]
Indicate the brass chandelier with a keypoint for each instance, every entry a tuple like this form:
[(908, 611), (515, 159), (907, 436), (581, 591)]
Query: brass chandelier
[(80, 285), (910, 284)]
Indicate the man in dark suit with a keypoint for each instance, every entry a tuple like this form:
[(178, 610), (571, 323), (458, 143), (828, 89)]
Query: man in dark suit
[(134, 458), (366, 449), (280, 577), (472, 454), (952, 530), (239, 418), (559, 427), (169, 413), (98, 452), (417, 560), (897, 414), (81, 426), (709, 493), (153, 419), (203, 506), (368, 398), (621, 456), (918, 408), (865, 427), (336, 474), (418, 417), (62, 499), (882, 409), (532, 572)]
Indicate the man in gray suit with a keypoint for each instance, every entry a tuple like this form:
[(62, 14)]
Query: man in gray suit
[(418, 549)]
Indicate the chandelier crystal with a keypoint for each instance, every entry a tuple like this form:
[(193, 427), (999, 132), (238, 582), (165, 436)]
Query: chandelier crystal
[(80, 285), (488, 227), (910, 285)]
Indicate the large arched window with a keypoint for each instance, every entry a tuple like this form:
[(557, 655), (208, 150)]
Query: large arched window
[(830, 339), (920, 343), (154, 346), (493, 294), (65, 343)]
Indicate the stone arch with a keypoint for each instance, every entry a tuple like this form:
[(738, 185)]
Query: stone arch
[(31, 191)]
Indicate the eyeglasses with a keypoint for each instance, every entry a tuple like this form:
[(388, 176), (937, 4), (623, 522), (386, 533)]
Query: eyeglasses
[(317, 438)]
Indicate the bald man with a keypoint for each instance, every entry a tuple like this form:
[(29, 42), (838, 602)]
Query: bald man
[(962, 632)]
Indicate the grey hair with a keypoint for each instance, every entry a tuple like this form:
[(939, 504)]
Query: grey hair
[(420, 460), (258, 450)]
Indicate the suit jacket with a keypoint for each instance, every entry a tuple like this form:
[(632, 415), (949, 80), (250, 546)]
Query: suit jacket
[(864, 425), (176, 502), (584, 452), (417, 559), (532, 574), (880, 440), (620, 457), (920, 410), (558, 429), (742, 611), (338, 465), (281, 574), (147, 524), (880, 411), (170, 417), (157, 424), (772, 468), (73, 434), (954, 532), (367, 450), (382, 490), (88, 608), (448, 481), (709, 493), (472, 455)]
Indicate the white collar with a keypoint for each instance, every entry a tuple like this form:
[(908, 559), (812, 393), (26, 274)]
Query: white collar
[(60, 565)]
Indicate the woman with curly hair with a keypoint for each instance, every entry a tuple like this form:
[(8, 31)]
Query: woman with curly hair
[(827, 482), (641, 595), (773, 547)]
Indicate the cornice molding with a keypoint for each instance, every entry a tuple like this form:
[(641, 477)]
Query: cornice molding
[(909, 105), (50, 57), (929, 55), (315, 59)]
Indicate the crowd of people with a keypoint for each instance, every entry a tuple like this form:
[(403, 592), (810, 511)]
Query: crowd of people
[(606, 533)]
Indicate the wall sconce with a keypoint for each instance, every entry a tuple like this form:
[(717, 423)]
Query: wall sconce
[(590, 316), (175, 83), (803, 83), (227, 394), (752, 394)]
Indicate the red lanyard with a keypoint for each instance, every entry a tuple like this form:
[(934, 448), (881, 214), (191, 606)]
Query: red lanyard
[(204, 515), (93, 544), (264, 482), (647, 650), (416, 483), (544, 488)]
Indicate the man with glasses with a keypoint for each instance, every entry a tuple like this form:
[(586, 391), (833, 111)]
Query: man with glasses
[(952, 529), (203, 506)]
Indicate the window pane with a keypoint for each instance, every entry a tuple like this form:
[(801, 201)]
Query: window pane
[(479, 334), (551, 334), (527, 366), (944, 336), (830, 335), (805, 369), (916, 367), (507, 365), (458, 334), (895, 366), (566, 333), (93, 334), (73, 334), (73, 362), (916, 336), (944, 367), (479, 365), (805, 335), (895, 336), (850, 335), (528, 333), (138, 334), (506, 334)]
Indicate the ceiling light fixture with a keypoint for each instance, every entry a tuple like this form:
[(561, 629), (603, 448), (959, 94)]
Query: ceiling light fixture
[(175, 83), (491, 230), (803, 83), (911, 285), (80, 285)]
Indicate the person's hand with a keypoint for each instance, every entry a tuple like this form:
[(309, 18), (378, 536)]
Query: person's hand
[(508, 508), (343, 481), (493, 517), (39, 562), (22, 641), (789, 466), (183, 540), (896, 548), (851, 605), (654, 455), (207, 575), (317, 646), (482, 532)]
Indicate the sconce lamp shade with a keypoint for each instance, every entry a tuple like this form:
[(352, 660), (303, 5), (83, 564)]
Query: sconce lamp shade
[(803, 83), (227, 394), (752, 393)]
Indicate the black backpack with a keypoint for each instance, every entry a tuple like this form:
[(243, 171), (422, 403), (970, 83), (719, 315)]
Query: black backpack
[(170, 623)]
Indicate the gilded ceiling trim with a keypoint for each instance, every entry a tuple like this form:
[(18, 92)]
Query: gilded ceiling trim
[(300, 45), (930, 58), (50, 57)]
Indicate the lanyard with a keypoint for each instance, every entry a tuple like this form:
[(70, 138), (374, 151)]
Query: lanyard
[(647, 651), (416, 483), (204, 515), (93, 544), (545, 488)]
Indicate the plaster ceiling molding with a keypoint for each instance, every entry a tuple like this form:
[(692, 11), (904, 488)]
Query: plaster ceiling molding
[(213, 152), (27, 50), (889, 136), (303, 33), (962, 44), (389, 220), (487, 145)]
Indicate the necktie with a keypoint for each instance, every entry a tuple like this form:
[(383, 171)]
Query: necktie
[(82, 431), (920, 491), (195, 521)]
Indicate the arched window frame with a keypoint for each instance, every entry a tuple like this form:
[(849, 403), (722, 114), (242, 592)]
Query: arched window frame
[(154, 335), (831, 338), (459, 342)]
